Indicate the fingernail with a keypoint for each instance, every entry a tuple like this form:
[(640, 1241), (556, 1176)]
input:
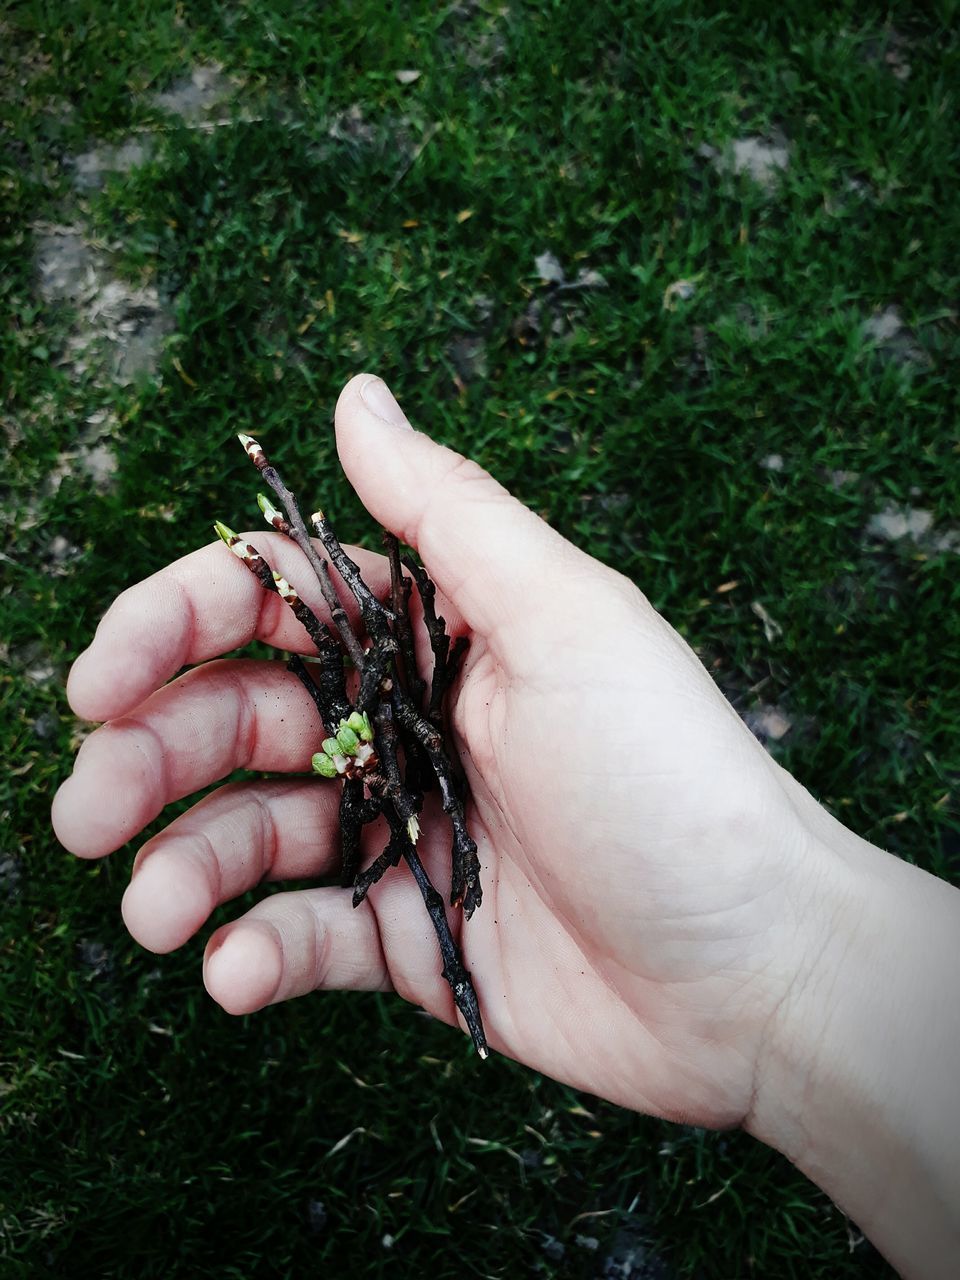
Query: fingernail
[(376, 395)]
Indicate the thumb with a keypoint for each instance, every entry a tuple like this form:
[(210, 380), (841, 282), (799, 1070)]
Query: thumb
[(494, 559)]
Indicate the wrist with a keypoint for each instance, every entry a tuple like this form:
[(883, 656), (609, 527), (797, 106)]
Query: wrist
[(833, 959), (857, 1079)]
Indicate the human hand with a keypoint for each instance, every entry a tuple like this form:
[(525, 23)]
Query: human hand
[(647, 877)]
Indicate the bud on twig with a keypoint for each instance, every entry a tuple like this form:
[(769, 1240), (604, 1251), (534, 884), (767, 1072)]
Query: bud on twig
[(272, 515), (225, 532), (287, 593), (242, 550), (359, 722), (254, 451), (323, 765)]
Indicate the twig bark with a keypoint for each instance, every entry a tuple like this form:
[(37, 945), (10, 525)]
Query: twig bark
[(389, 774), (461, 984), (436, 630), (298, 532), (465, 887)]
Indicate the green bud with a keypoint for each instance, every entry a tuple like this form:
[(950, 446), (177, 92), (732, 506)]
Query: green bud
[(269, 510), (322, 764), (224, 531), (359, 722), (348, 739), (331, 746)]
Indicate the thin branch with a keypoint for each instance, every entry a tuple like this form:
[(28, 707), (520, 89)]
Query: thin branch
[(247, 554), (400, 589), (395, 760), (297, 667), (440, 686), (418, 776), (349, 571), (332, 686), (465, 888), (352, 819), (378, 663), (464, 995), (446, 658), (379, 867), (404, 804), (298, 532)]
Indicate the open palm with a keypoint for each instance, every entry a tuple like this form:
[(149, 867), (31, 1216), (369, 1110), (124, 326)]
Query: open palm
[(639, 854)]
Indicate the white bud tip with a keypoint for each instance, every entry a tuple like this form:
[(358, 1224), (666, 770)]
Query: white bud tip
[(483, 1051), (269, 510), (249, 444), (285, 589), (317, 517), (413, 829)]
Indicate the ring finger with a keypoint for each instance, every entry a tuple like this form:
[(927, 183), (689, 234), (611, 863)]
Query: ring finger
[(231, 841)]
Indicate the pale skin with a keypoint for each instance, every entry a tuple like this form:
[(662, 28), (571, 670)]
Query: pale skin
[(669, 919)]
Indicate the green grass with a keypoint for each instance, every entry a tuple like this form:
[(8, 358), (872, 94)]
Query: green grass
[(145, 1132)]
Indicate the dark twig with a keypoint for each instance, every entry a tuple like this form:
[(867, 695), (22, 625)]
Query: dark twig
[(379, 662), (404, 804), (418, 777), (465, 888), (349, 571), (298, 532), (352, 818), (436, 630), (465, 997), (332, 698), (380, 866), (400, 588), (440, 686), (388, 744), (333, 687), (377, 666), (297, 666)]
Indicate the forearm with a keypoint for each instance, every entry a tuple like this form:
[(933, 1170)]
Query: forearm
[(860, 1081)]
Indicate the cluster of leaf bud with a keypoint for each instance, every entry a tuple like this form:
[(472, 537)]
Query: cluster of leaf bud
[(349, 751)]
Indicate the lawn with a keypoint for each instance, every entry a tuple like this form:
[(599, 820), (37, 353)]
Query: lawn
[(685, 278)]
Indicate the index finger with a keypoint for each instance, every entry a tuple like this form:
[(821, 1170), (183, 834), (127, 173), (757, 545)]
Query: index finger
[(198, 608)]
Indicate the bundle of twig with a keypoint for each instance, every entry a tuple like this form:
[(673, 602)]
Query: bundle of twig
[(387, 744)]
